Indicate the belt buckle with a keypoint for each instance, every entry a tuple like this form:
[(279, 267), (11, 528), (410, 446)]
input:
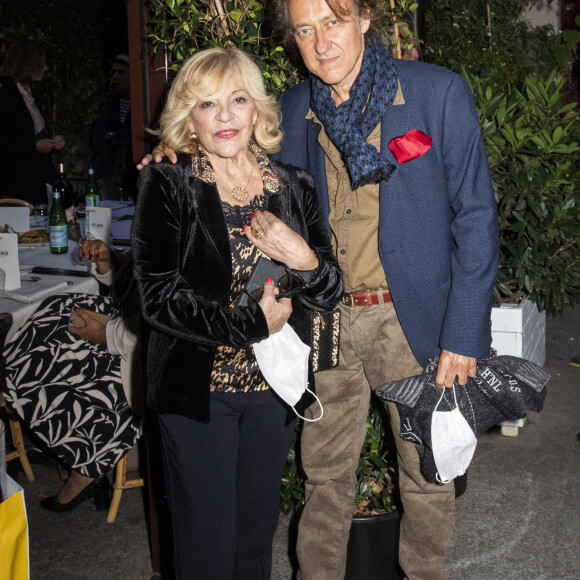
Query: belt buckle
[(348, 300)]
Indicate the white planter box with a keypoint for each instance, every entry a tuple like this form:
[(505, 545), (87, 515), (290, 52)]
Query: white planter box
[(519, 330)]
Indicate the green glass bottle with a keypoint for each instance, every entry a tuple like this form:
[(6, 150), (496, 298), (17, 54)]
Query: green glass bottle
[(92, 197), (57, 228)]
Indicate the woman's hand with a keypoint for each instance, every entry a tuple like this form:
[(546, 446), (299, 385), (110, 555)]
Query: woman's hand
[(99, 253), (277, 312), (93, 331), (157, 155), (45, 145), (280, 242), (59, 142)]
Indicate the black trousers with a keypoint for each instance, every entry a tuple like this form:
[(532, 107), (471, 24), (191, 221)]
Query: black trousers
[(223, 485)]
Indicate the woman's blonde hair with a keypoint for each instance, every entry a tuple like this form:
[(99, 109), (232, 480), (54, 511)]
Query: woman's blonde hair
[(203, 77)]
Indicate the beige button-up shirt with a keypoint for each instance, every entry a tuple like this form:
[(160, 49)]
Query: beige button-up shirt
[(354, 216)]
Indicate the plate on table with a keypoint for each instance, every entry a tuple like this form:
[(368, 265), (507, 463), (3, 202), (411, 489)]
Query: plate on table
[(33, 238)]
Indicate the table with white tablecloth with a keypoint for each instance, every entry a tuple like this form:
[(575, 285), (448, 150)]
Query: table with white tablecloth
[(69, 275)]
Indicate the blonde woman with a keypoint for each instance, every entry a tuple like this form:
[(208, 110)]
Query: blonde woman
[(200, 227)]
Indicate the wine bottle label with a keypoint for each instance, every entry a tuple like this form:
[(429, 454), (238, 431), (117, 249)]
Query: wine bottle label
[(93, 200), (58, 236)]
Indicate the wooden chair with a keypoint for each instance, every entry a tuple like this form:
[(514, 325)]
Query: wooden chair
[(119, 485), (14, 201), (17, 440)]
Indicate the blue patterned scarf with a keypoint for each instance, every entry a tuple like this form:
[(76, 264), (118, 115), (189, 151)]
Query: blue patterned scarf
[(349, 124)]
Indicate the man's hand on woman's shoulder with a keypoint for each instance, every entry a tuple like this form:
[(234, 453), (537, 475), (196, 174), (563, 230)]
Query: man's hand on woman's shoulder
[(157, 155)]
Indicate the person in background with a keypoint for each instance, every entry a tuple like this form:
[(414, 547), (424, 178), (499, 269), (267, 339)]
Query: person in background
[(26, 141), (200, 228), (78, 388), (111, 138)]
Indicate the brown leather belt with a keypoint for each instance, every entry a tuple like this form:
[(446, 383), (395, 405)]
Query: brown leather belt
[(366, 298)]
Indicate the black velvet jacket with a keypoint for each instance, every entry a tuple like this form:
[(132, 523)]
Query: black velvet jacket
[(183, 271)]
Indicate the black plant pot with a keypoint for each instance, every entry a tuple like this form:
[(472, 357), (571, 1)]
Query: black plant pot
[(373, 548)]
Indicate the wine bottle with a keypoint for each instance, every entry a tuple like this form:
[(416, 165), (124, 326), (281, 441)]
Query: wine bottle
[(57, 227), (92, 197), (65, 187)]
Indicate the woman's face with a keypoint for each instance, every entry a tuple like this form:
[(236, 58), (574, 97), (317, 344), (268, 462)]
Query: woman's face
[(40, 74), (224, 125)]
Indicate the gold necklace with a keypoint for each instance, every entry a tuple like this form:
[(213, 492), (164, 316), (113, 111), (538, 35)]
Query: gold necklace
[(239, 188)]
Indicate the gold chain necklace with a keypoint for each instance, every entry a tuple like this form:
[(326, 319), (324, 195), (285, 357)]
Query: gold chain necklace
[(239, 188)]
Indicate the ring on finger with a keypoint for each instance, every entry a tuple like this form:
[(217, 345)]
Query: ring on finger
[(257, 233)]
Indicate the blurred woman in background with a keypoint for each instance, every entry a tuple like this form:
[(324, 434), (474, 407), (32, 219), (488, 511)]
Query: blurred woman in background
[(26, 143)]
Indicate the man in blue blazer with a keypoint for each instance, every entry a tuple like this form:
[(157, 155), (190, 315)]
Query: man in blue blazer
[(415, 231)]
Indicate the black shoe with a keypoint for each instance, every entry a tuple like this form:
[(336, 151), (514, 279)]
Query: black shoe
[(99, 489)]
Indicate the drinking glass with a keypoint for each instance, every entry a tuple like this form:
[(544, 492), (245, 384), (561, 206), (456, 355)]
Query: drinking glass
[(87, 235)]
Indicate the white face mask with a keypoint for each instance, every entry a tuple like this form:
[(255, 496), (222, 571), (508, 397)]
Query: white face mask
[(283, 360), (453, 442)]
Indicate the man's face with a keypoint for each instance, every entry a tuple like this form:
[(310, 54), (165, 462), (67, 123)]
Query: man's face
[(120, 79), (332, 49)]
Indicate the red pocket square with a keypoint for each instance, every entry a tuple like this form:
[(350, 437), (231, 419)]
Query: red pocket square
[(410, 145)]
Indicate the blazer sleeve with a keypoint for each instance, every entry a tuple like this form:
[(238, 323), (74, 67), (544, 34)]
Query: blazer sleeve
[(184, 305), (466, 325), (325, 283)]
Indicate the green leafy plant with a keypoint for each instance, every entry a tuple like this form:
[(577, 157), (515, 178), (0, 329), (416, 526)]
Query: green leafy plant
[(182, 27), (517, 73), (533, 143), (374, 485), (491, 39)]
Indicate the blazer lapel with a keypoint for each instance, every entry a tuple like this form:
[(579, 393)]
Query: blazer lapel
[(395, 122)]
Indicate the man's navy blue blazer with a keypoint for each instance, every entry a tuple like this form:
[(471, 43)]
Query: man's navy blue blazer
[(438, 229)]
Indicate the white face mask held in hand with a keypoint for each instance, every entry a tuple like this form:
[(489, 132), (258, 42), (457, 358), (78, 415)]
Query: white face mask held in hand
[(283, 360), (452, 440)]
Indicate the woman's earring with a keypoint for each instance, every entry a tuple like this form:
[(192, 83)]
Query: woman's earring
[(193, 135)]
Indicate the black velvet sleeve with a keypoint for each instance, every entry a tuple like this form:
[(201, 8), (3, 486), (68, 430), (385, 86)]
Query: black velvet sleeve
[(182, 263), (325, 283)]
